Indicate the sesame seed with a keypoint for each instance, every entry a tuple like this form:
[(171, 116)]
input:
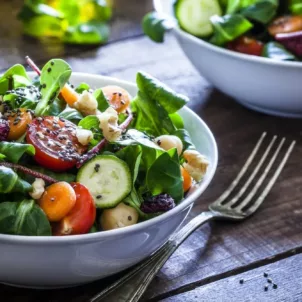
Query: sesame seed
[(269, 280), (241, 281), (265, 275), (96, 167), (275, 286), (129, 218), (98, 196), (266, 288)]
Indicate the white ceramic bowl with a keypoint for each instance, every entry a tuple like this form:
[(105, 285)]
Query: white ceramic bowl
[(52, 262), (262, 84)]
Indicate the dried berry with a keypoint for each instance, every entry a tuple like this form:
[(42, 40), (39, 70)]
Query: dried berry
[(158, 203), (4, 130)]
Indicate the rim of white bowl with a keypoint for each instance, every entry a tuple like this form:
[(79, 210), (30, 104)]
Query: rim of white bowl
[(139, 226), (159, 8)]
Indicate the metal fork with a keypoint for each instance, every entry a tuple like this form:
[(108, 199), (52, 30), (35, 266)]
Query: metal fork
[(132, 286)]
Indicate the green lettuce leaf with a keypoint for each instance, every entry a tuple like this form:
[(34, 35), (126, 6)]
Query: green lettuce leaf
[(228, 28), (23, 218), (10, 182), (13, 78), (164, 176), (103, 103), (14, 151), (162, 94), (54, 75)]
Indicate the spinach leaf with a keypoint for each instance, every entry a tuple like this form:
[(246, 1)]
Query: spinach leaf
[(184, 136), (162, 94), (92, 32), (262, 11), (23, 218), (150, 117), (155, 26), (103, 103), (135, 137), (23, 97), (55, 107), (54, 75), (276, 51), (14, 151), (82, 87), (11, 182), (71, 114), (31, 220), (177, 120), (92, 123), (13, 78), (132, 156), (295, 7), (164, 176), (8, 212), (228, 28)]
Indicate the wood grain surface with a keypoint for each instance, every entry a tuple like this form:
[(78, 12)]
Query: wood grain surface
[(210, 263)]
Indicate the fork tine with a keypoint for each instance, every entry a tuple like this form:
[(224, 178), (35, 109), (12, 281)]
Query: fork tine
[(246, 201), (254, 173), (242, 171), (269, 186)]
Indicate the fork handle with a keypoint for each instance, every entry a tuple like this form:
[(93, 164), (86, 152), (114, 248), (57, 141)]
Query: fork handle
[(132, 286)]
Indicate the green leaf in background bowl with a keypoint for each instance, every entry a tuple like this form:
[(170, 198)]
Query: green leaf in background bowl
[(276, 51), (228, 28), (92, 32), (262, 12), (155, 26)]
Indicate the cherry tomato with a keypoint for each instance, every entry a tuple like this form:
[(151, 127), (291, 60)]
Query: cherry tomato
[(58, 200), (246, 45), (82, 216), (285, 24), (55, 141), (118, 97), (18, 121)]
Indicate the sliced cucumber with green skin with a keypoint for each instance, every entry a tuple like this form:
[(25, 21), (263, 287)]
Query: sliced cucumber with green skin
[(108, 179), (194, 15)]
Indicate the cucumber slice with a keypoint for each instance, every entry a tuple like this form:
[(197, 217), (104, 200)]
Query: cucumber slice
[(107, 178), (194, 15)]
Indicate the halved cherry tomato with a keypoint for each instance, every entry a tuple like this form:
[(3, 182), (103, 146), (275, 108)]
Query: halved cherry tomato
[(82, 216), (285, 24), (69, 95), (58, 200), (246, 45), (187, 179), (18, 121), (55, 141), (118, 97)]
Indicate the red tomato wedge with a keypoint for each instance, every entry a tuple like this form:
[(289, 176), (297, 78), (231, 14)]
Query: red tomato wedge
[(246, 45), (82, 216), (55, 141)]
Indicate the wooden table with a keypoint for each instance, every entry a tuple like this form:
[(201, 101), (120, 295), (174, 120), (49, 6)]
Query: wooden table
[(211, 263)]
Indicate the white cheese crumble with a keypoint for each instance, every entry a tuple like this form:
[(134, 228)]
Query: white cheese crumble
[(109, 124), (38, 188), (84, 136), (86, 104)]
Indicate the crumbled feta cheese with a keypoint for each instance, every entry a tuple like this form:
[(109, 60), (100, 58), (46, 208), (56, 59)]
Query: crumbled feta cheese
[(86, 104), (84, 136), (108, 124), (196, 164), (38, 188)]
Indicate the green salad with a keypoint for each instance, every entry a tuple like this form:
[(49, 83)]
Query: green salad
[(82, 159), (268, 28)]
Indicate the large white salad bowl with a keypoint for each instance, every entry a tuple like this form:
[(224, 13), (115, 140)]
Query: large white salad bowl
[(262, 84), (52, 262)]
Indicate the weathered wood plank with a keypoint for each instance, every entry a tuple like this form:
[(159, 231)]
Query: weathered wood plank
[(14, 46), (286, 274)]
